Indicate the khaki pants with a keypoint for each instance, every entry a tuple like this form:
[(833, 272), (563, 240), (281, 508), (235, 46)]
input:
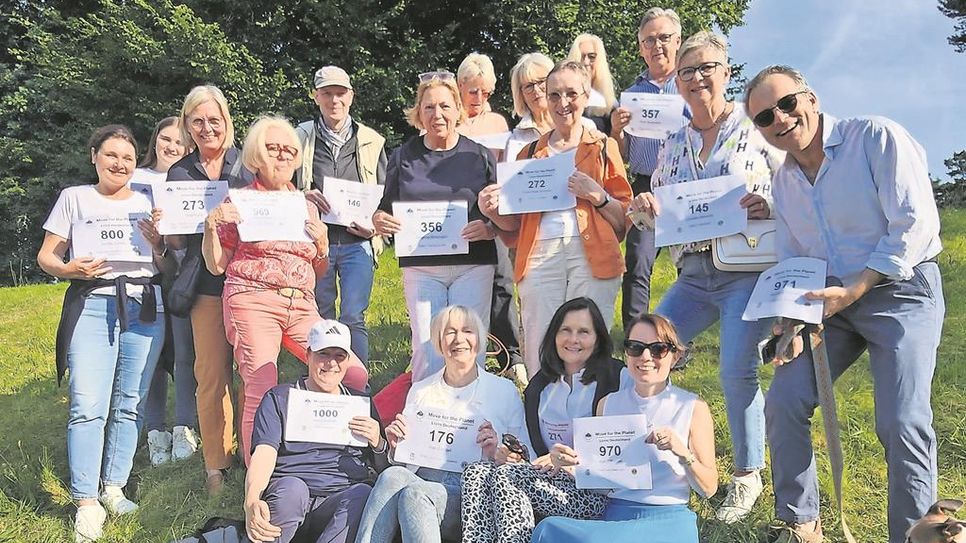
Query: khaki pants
[(213, 371)]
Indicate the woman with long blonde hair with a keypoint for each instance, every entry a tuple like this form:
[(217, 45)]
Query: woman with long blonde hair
[(588, 50)]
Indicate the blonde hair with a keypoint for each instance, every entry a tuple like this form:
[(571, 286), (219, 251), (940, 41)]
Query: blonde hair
[(525, 69), (197, 96), (477, 65), (412, 114), (701, 40), (601, 80), (438, 325), (253, 154)]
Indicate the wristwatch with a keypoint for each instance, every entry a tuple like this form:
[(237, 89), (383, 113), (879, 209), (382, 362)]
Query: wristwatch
[(605, 202)]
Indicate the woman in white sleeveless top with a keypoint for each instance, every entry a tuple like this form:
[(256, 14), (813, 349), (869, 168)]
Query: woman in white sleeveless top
[(682, 457)]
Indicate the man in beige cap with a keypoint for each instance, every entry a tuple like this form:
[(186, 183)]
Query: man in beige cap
[(336, 145)]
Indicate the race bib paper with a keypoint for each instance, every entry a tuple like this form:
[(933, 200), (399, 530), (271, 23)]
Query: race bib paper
[(700, 210), (653, 115), (780, 291), (431, 228), (612, 452), (112, 238), (536, 185), (271, 215), (186, 204), (350, 201), (440, 439), (317, 417)]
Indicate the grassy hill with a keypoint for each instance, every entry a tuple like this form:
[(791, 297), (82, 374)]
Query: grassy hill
[(35, 504)]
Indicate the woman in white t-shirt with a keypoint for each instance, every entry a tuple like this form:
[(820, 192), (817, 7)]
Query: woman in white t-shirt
[(111, 329), (424, 503), (164, 149), (681, 455)]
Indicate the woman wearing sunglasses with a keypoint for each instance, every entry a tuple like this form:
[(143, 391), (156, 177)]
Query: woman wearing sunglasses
[(681, 459), (576, 371), (440, 165), (720, 140), (269, 296)]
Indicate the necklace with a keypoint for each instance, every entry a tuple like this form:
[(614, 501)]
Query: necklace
[(728, 107)]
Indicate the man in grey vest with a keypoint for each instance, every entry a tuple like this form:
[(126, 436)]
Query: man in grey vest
[(336, 145)]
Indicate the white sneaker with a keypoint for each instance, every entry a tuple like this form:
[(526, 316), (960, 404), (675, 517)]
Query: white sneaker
[(742, 494), (159, 447), (185, 443), (89, 523), (114, 500)]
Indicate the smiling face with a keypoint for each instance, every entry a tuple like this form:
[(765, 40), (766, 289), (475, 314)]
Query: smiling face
[(438, 112), (659, 57), (114, 161), (326, 369), (567, 97), (576, 339), (279, 158), (792, 131), (459, 342), (168, 147), (206, 124), (474, 93), (645, 369), (702, 90), (334, 102)]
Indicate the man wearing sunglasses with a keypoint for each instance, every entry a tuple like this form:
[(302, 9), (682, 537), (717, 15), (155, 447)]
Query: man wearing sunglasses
[(659, 38), (856, 193)]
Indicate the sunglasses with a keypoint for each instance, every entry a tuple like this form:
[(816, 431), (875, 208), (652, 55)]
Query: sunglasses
[(513, 443), (441, 75), (786, 103), (659, 349)]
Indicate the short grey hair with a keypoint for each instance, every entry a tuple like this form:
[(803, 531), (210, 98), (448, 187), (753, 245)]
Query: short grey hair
[(437, 326), (576, 67), (657, 13), (775, 69), (701, 40)]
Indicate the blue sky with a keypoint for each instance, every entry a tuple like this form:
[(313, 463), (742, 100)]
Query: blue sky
[(867, 58)]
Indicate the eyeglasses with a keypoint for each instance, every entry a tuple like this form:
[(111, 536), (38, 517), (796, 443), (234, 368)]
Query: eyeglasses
[(532, 86), (213, 122), (441, 75), (484, 93), (570, 96), (513, 443), (786, 103), (706, 70), (659, 349), (338, 357), (279, 150), (650, 41)]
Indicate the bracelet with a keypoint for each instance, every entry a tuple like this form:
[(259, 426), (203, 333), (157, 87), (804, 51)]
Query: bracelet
[(689, 459), (383, 449)]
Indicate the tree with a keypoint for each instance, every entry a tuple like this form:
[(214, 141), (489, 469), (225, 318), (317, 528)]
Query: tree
[(956, 9)]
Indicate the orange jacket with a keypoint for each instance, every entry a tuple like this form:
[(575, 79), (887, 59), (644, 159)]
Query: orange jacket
[(601, 243)]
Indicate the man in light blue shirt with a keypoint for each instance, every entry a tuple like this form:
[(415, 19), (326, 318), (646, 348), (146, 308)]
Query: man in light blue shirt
[(856, 193), (659, 38)]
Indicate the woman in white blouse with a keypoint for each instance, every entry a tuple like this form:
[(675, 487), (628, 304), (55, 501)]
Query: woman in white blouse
[(421, 503)]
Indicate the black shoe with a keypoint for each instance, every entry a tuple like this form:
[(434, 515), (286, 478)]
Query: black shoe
[(685, 358)]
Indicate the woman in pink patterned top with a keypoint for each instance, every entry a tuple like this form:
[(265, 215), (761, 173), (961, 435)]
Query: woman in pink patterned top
[(269, 299)]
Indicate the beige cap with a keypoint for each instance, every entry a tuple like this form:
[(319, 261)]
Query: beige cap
[(331, 75)]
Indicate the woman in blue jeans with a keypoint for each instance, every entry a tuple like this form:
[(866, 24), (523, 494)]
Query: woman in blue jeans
[(423, 504), (111, 328), (720, 140)]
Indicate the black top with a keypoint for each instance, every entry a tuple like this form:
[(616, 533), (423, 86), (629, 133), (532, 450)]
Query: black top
[(608, 380), (418, 174), (189, 168)]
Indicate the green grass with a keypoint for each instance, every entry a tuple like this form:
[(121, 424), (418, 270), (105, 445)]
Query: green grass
[(35, 504)]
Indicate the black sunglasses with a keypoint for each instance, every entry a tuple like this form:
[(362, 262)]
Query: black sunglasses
[(659, 349), (511, 442), (786, 103)]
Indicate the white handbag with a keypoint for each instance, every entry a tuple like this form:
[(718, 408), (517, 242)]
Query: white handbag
[(751, 250)]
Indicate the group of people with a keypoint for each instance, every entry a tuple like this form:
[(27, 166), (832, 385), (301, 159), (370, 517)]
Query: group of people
[(853, 192)]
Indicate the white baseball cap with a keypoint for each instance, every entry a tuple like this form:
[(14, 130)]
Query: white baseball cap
[(329, 333), (332, 75)]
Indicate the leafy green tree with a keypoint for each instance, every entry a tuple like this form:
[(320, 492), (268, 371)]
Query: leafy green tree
[(956, 9)]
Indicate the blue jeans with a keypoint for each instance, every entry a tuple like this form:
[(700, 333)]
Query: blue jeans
[(320, 519), (424, 507), (156, 403), (639, 256), (428, 290), (900, 323), (109, 375), (699, 297), (354, 266), (623, 521)]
